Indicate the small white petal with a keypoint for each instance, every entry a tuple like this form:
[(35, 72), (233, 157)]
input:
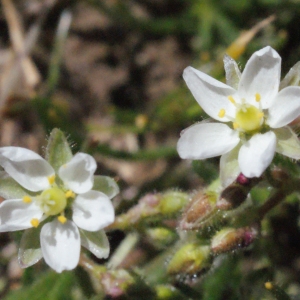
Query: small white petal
[(206, 140), (211, 94), (229, 166), (60, 245), (285, 108), (261, 75), (288, 143), (96, 242), (16, 215), (257, 154), (93, 211), (78, 173), (26, 167)]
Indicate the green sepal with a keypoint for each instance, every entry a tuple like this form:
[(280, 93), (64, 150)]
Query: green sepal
[(30, 251), (10, 189), (106, 185), (292, 78), (288, 143), (58, 151), (233, 73), (96, 242), (229, 166)]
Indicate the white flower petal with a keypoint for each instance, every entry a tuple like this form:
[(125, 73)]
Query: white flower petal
[(78, 173), (288, 143), (285, 108), (96, 242), (93, 211), (26, 167), (261, 75), (16, 215), (206, 140), (229, 166), (60, 245), (257, 153), (211, 94)]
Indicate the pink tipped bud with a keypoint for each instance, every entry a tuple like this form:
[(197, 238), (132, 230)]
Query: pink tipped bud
[(228, 239)]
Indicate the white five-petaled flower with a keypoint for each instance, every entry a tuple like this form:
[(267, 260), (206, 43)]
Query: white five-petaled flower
[(254, 110), (54, 198)]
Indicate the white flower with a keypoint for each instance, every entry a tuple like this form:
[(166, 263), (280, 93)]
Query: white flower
[(75, 214), (253, 112)]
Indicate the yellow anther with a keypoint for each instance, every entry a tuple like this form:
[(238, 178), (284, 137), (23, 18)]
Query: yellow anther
[(70, 194), (235, 125), (269, 285), (35, 222), (230, 98), (27, 199), (62, 219), (51, 179), (257, 97), (221, 113)]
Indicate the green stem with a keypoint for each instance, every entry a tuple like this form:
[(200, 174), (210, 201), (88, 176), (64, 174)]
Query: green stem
[(123, 250)]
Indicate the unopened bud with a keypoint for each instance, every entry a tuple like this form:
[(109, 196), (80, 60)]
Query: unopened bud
[(172, 202), (228, 239), (161, 237), (278, 177), (200, 208), (236, 193), (190, 259)]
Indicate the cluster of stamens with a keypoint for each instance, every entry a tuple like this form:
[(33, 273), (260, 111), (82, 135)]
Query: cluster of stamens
[(248, 118), (52, 201)]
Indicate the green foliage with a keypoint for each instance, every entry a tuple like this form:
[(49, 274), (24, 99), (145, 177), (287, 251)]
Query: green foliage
[(50, 286)]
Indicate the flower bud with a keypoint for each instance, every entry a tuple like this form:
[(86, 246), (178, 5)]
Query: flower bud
[(236, 193), (190, 259), (150, 208), (160, 237), (278, 177), (200, 208), (172, 202), (228, 239)]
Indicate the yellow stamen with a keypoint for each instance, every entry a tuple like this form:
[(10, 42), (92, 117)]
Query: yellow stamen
[(70, 194), (269, 285), (257, 97), (221, 113), (35, 222), (27, 199), (230, 98), (51, 179), (235, 125), (62, 219)]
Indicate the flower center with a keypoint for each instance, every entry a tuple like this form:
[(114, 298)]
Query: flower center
[(248, 118), (52, 201)]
